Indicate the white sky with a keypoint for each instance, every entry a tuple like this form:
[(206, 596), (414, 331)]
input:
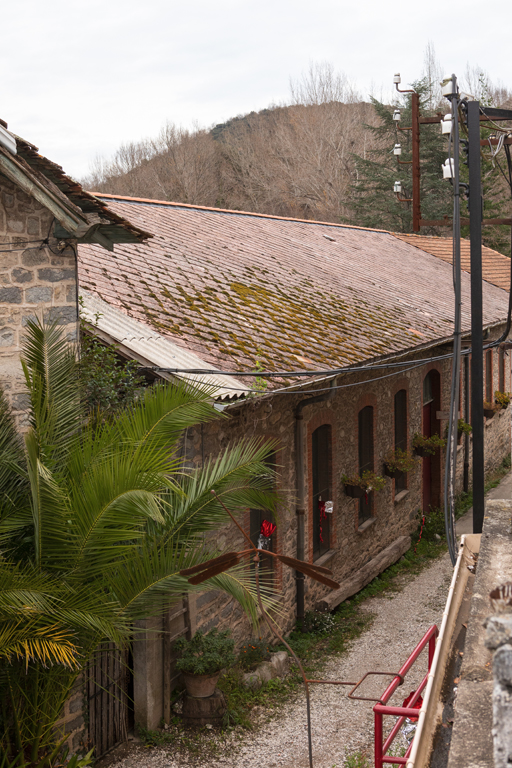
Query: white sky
[(79, 78)]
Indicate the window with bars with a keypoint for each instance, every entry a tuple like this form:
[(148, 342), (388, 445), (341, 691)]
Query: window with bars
[(322, 489), (401, 435), (366, 460)]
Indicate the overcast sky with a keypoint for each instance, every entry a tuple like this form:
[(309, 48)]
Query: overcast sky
[(80, 78)]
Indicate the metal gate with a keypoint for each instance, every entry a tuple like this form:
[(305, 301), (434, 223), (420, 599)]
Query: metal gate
[(108, 680)]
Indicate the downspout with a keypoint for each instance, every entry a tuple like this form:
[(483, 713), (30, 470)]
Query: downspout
[(466, 419), (301, 492)]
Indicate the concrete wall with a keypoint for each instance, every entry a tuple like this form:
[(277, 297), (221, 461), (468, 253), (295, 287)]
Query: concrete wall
[(34, 281)]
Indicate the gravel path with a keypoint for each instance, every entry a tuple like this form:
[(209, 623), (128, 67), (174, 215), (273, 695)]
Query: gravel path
[(340, 726)]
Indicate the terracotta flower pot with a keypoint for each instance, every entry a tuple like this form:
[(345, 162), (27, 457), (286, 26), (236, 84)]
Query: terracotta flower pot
[(354, 491), (200, 686)]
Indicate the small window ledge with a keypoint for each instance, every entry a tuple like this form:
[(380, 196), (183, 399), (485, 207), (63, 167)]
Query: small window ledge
[(401, 495), (367, 524), (325, 558)]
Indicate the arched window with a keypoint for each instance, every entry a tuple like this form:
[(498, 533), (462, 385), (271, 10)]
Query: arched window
[(401, 435), (256, 519), (365, 424), (322, 489)]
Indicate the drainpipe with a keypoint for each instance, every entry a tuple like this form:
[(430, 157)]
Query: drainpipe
[(301, 492), (466, 419)]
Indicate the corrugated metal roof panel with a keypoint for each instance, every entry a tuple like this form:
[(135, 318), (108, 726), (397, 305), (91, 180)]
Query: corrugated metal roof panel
[(150, 347)]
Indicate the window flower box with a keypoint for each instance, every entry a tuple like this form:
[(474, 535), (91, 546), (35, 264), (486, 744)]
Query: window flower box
[(357, 486), (398, 460), (427, 446)]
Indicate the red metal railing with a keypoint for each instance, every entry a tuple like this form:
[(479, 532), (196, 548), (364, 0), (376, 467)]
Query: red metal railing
[(382, 709)]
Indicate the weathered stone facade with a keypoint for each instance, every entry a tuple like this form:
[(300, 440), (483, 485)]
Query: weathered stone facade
[(36, 280), (395, 514)]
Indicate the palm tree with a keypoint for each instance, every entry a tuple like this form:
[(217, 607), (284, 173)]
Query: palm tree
[(97, 518)]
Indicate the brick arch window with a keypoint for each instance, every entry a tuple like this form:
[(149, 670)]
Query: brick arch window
[(366, 457), (401, 434), (321, 454)]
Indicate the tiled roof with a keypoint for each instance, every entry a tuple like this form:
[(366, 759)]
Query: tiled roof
[(495, 266), (245, 290)]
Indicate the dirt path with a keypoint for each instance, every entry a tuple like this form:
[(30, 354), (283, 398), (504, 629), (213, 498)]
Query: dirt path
[(340, 726)]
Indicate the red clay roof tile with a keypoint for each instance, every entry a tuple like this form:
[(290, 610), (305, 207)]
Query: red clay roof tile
[(247, 289)]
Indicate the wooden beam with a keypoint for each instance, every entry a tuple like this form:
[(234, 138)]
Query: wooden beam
[(15, 172), (356, 581)]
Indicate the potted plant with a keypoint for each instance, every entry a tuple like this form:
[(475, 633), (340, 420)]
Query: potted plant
[(490, 409), (502, 398), (202, 658), (463, 428), (357, 486), (397, 460), (427, 446)]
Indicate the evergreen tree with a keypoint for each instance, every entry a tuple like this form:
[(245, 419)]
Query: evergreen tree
[(373, 201)]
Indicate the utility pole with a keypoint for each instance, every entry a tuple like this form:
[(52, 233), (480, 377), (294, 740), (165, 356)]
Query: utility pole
[(477, 360), (416, 203)]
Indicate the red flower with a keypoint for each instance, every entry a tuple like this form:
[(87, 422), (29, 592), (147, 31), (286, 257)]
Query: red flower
[(267, 529)]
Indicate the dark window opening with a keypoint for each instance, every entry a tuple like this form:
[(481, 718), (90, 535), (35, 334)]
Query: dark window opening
[(489, 394), (256, 519), (501, 372), (401, 435), (321, 467), (365, 419)]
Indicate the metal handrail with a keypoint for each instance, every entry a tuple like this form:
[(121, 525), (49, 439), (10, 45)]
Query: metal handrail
[(381, 709)]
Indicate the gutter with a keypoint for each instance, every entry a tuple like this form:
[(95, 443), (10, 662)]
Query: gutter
[(300, 509)]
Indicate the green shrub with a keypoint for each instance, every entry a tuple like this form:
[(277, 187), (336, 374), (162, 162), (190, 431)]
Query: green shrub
[(317, 623), (205, 654), (254, 652)]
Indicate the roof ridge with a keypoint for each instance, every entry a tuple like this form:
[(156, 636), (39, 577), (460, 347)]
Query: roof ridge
[(238, 213)]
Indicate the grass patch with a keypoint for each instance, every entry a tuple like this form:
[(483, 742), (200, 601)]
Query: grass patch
[(315, 647), (465, 500)]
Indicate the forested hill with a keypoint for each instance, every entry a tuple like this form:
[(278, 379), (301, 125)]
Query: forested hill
[(288, 161), (329, 159)]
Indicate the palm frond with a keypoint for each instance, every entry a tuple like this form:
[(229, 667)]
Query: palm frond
[(51, 375)]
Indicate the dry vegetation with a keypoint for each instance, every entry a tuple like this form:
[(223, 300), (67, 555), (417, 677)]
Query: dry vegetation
[(294, 160)]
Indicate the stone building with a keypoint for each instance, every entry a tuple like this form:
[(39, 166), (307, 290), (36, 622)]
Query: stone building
[(366, 315), (43, 216)]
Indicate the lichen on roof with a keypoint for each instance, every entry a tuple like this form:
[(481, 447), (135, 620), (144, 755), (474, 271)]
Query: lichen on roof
[(242, 291)]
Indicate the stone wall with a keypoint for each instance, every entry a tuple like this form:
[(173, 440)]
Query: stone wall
[(395, 514), (35, 280)]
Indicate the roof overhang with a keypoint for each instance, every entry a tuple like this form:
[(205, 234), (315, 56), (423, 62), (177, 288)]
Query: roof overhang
[(71, 223)]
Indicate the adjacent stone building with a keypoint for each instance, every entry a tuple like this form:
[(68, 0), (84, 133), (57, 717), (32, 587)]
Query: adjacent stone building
[(43, 215)]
